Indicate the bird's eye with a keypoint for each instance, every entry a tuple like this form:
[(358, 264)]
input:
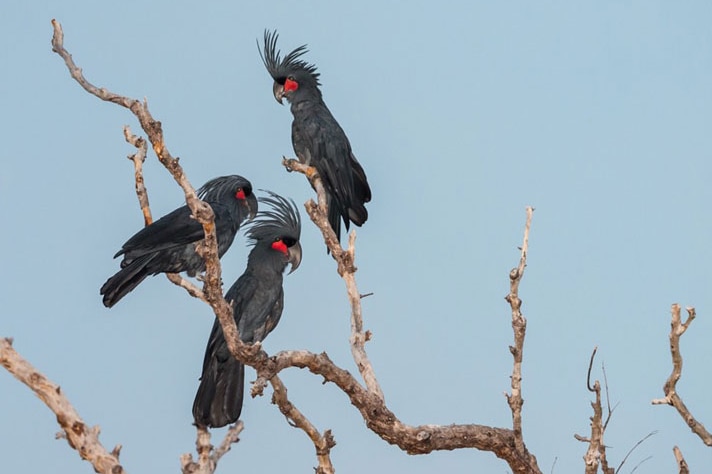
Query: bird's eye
[(240, 193)]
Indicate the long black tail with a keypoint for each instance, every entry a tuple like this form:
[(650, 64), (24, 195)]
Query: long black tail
[(354, 210), (125, 280), (218, 401)]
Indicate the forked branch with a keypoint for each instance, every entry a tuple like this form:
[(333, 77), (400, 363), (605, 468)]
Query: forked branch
[(677, 329)]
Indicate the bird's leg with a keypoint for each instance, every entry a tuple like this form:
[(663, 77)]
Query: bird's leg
[(311, 173)]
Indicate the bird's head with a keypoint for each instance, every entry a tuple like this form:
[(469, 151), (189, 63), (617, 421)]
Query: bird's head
[(231, 189), (278, 228), (292, 76)]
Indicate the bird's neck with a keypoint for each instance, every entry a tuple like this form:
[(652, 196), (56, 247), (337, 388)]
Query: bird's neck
[(306, 99), (266, 261)]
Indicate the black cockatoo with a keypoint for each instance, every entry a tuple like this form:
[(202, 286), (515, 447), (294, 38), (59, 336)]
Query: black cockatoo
[(317, 138), (257, 300), (168, 244)]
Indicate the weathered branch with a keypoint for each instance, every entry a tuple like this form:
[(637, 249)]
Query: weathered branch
[(346, 268), (677, 329), (208, 456), (596, 453), (322, 443), (138, 159), (519, 326), (82, 438)]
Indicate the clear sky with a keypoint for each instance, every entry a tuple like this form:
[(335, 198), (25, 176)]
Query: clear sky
[(596, 113)]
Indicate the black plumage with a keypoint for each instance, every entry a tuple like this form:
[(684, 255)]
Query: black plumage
[(168, 244), (257, 300), (317, 138)]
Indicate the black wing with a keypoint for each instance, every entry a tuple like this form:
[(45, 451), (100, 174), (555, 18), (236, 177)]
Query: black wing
[(320, 141), (175, 229)]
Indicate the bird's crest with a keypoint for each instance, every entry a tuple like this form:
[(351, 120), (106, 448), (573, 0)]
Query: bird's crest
[(282, 219), (223, 185), (280, 68)]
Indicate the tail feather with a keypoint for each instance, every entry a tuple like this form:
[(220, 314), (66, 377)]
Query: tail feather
[(361, 194), (335, 216), (218, 401), (125, 280)]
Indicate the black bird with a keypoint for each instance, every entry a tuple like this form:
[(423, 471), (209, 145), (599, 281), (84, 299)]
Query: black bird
[(168, 244), (317, 138), (257, 300)]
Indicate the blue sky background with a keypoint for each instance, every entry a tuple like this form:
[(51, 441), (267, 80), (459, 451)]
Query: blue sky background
[(596, 113)]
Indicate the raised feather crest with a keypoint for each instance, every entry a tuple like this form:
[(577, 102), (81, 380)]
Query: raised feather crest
[(281, 219), (280, 68)]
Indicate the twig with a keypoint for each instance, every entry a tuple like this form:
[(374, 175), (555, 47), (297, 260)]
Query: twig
[(644, 460), (677, 329), (138, 159), (82, 438), (620, 466), (322, 443), (596, 452), (192, 290), (608, 398)]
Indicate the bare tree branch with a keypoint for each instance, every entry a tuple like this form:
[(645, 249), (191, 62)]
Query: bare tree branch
[(677, 329), (519, 326), (82, 438), (138, 159), (596, 453), (322, 443), (346, 268), (208, 456)]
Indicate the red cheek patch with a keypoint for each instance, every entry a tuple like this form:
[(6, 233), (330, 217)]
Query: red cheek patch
[(280, 246), (240, 194), (290, 85)]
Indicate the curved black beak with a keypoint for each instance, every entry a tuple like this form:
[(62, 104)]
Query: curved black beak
[(278, 91), (251, 203), (294, 256)]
